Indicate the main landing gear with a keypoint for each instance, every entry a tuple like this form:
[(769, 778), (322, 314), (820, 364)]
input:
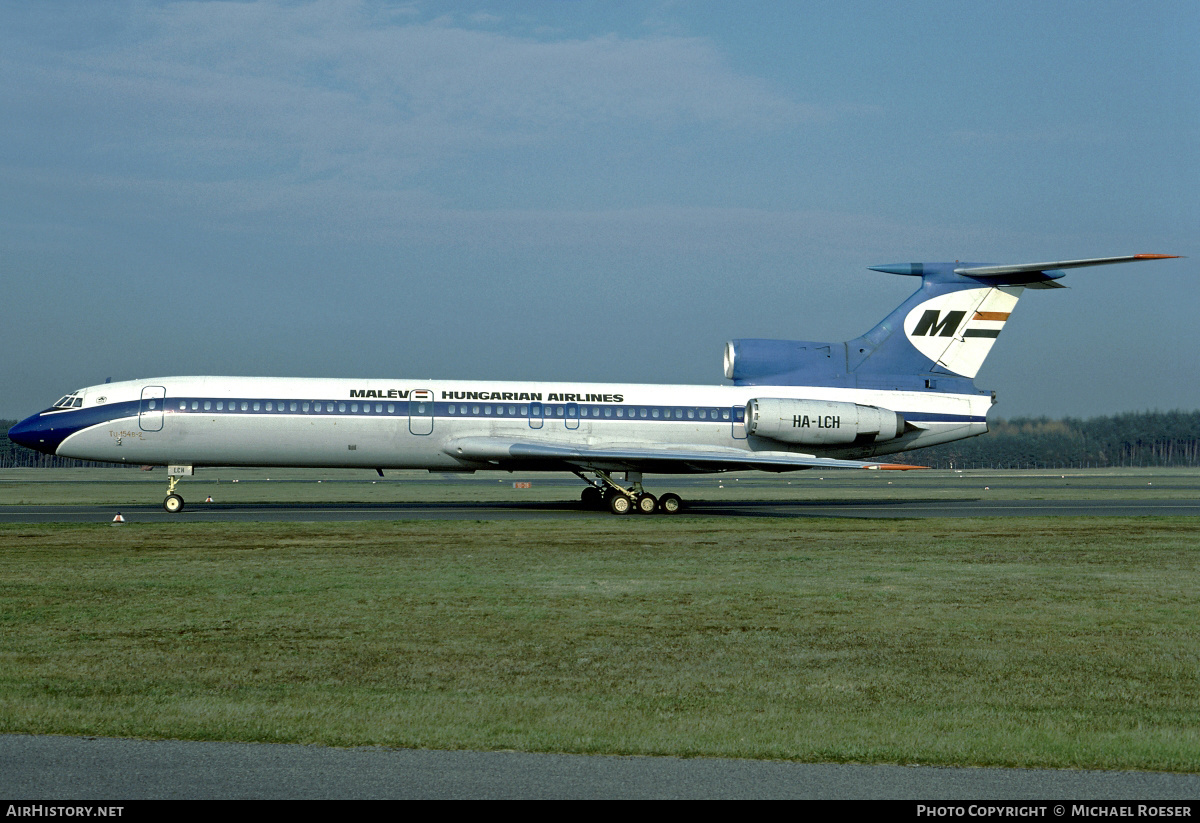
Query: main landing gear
[(607, 493)]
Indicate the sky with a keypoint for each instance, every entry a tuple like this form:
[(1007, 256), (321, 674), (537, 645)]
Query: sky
[(589, 191)]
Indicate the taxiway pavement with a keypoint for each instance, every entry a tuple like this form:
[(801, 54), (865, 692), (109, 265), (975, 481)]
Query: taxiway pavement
[(46, 768), (299, 512)]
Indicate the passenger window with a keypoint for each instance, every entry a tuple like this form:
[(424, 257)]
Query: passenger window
[(654, 413), (391, 408), (220, 405), (182, 405), (304, 405), (207, 405), (353, 407), (195, 405), (378, 408), (608, 412), (341, 407), (487, 409), (152, 404)]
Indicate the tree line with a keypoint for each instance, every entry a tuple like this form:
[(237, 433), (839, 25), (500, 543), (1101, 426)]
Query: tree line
[(1130, 439), (1150, 438)]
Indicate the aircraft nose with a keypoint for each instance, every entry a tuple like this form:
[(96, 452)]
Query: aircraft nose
[(34, 433)]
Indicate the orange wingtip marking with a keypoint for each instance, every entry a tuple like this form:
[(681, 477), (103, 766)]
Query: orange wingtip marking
[(1156, 256), (991, 315)]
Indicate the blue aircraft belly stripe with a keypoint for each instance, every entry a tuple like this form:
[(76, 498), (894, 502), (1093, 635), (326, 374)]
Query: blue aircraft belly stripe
[(49, 430)]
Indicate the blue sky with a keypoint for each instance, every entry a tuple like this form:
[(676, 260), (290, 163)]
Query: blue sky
[(588, 191)]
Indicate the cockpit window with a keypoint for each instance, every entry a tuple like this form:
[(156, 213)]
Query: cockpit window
[(69, 401)]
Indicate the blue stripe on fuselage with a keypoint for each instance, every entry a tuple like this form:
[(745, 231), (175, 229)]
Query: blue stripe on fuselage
[(46, 430)]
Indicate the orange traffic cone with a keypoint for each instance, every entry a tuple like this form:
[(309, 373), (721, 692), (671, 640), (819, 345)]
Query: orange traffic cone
[(118, 518)]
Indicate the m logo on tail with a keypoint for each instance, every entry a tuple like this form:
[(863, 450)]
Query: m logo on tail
[(956, 330), (929, 323)]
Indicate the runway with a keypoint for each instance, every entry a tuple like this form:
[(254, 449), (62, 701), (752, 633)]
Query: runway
[(327, 512), (86, 768)]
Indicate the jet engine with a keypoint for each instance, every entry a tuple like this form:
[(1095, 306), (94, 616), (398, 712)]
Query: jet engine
[(821, 422)]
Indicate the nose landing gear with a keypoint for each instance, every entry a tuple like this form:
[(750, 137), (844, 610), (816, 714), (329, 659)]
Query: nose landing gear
[(174, 502)]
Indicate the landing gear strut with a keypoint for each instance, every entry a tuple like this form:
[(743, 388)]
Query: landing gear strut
[(605, 491), (173, 502)]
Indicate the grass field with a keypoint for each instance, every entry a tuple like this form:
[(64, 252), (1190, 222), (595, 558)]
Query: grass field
[(1056, 642)]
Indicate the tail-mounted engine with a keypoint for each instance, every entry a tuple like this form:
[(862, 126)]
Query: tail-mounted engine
[(821, 422)]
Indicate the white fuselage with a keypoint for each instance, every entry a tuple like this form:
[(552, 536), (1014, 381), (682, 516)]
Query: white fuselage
[(412, 424)]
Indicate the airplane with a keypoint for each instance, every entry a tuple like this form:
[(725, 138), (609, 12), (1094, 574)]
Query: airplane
[(793, 405)]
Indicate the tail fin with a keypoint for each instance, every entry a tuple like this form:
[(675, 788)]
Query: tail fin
[(936, 339), (948, 327), (951, 323)]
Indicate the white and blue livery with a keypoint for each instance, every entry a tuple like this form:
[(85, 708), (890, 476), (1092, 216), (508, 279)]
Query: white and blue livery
[(792, 405)]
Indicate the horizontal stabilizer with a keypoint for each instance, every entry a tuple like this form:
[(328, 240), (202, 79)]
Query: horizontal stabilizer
[(1031, 268)]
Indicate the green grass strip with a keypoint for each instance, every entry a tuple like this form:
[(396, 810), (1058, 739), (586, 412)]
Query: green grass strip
[(1055, 642)]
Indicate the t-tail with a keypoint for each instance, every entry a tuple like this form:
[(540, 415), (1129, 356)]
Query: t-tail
[(936, 340)]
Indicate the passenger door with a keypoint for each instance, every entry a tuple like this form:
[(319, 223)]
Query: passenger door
[(150, 409), (420, 411)]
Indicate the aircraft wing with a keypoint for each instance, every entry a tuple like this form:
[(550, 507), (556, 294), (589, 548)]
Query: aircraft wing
[(506, 453)]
